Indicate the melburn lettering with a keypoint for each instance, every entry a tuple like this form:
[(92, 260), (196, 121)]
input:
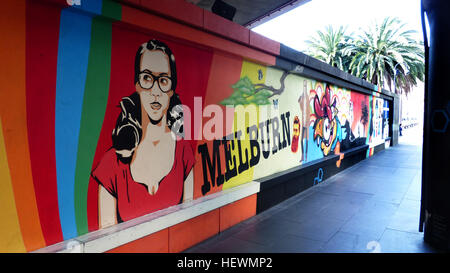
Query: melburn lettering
[(247, 157)]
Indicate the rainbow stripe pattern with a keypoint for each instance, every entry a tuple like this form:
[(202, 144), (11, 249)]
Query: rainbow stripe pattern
[(55, 84)]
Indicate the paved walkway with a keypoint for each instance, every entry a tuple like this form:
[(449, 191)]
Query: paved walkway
[(372, 206)]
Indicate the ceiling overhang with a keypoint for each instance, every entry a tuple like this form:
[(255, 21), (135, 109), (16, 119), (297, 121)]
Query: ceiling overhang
[(253, 13)]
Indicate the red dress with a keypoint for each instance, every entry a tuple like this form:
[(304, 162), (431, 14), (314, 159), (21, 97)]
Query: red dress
[(133, 199)]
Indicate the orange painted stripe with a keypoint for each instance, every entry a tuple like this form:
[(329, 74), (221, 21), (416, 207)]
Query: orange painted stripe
[(193, 231), (10, 235), (237, 212), (13, 117), (157, 242), (155, 23)]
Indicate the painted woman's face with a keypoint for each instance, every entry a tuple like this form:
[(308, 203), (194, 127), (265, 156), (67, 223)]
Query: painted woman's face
[(155, 84)]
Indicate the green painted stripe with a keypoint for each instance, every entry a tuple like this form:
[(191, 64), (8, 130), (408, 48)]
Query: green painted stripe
[(112, 10), (94, 107)]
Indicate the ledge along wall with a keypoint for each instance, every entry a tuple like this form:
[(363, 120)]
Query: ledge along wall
[(261, 122)]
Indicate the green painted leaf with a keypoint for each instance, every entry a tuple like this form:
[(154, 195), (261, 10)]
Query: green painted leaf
[(263, 93), (246, 90), (228, 101), (244, 85), (242, 82), (245, 93), (247, 81), (241, 101), (260, 101), (238, 85), (236, 94)]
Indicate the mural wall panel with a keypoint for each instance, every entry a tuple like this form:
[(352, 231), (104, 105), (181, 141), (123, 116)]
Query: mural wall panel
[(119, 122)]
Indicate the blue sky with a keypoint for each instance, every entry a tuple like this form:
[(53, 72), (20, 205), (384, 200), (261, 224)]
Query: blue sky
[(297, 25)]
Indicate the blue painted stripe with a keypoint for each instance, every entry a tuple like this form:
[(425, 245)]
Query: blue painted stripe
[(73, 55), (93, 6)]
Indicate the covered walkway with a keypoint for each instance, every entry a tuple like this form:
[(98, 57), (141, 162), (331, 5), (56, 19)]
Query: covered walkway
[(372, 206)]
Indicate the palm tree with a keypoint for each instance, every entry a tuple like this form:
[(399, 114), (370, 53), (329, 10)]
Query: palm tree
[(386, 52), (327, 46)]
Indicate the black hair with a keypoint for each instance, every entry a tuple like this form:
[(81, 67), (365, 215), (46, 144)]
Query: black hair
[(127, 133), (156, 45)]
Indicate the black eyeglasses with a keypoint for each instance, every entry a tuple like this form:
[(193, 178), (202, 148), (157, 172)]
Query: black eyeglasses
[(147, 80)]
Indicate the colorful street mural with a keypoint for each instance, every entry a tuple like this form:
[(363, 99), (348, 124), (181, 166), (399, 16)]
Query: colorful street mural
[(104, 123)]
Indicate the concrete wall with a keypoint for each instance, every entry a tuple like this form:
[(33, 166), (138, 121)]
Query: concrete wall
[(87, 154)]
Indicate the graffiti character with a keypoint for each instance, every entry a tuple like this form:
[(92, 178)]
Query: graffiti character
[(327, 128), (305, 111), (348, 138), (295, 135), (149, 166)]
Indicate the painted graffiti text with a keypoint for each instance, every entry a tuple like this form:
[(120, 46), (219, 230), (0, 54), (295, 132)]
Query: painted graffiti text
[(230, 150)]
